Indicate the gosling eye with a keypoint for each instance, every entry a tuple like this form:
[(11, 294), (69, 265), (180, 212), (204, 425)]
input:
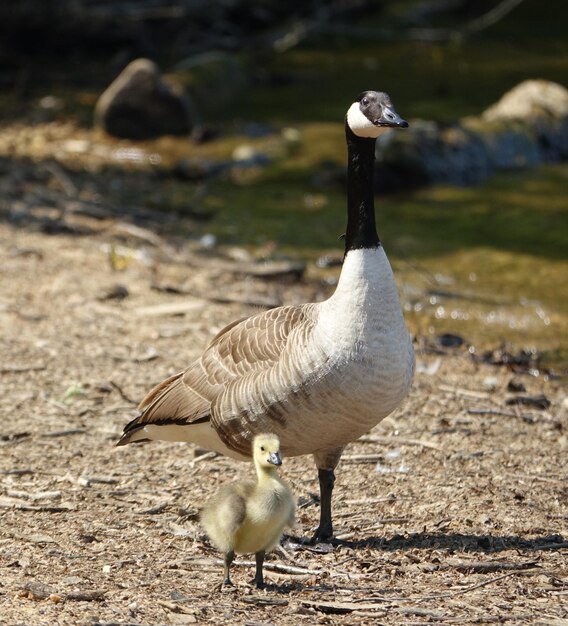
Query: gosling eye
[(365, 101), (262, 448)]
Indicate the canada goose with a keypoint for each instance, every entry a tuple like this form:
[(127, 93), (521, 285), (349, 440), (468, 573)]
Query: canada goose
[(247, 517), (318, 375)]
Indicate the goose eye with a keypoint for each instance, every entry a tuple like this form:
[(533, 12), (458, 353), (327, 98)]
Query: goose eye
[(262, 448)]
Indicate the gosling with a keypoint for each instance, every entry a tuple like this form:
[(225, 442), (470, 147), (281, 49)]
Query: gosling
[(247, 517)]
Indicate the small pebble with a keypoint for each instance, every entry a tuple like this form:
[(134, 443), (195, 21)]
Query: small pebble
[(515, 386)]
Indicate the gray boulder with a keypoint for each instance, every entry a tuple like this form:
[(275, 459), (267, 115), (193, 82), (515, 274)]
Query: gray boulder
[(139, 104)]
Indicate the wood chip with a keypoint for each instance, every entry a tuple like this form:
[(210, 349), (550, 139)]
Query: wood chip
[(154, 510), (21, 369), (22, 505), (264, 601), (175, 607), (85, 595), (170, 308), (40, 495), (66, 433), (399, 441)]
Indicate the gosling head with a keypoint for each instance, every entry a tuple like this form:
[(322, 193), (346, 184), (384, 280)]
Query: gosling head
[(266, 451), (372, 114)]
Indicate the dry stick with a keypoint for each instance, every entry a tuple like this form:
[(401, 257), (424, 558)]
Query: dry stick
[(122, 393), (276, 567), (441, 596), (460, 592), (21, 506), (342, 607), (491, 412), (362, 458), (391, 499), (203, 457), (65, 433), (40, 495), (175, 607), (399, 441), (460, 391), (20, 369), (170, 308), (489, 566), (64, 180)]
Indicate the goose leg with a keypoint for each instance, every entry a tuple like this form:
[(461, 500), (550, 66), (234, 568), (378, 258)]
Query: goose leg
[(324, 531), (326, 462), (228, 560), (258, 577)]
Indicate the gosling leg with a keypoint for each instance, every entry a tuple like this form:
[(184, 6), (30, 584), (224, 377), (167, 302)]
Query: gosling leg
[(258, 577), (324, 531), (228, 560)]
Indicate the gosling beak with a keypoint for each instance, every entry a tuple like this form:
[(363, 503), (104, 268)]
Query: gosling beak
[(275, 459), (390, 118)]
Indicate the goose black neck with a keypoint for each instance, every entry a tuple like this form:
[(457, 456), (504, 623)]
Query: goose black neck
[(361, 226)]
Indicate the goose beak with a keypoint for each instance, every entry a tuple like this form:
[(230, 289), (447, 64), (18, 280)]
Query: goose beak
[(274, 458), (390, 118)]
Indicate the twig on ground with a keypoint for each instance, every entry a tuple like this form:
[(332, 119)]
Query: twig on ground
[(487, 566), (276, 567), (491, 412), (121, 392), (460, 391), (401, 441), (21, 369)]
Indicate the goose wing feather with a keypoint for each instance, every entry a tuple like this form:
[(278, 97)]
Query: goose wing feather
[(245, 349)]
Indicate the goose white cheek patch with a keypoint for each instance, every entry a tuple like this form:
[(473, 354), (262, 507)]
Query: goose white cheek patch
[(359, 124)]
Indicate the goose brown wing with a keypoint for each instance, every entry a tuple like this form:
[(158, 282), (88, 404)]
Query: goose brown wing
[(253, 345), (259, 366), (243, 348)]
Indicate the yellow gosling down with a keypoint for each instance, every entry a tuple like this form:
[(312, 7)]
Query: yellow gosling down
[(246, 517)]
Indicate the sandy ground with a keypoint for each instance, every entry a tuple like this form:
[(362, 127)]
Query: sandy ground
[(453, 510)]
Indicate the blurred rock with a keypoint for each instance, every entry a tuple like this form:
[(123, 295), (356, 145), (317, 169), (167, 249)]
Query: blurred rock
[(528, 126), (245, 155), (530, 98), (139, 104), (199, 169), (214, 80)]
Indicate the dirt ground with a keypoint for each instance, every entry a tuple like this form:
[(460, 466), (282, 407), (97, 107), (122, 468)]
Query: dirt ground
[(453, 510)]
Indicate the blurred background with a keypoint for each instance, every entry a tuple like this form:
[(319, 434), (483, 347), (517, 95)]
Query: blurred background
[(219, 124)]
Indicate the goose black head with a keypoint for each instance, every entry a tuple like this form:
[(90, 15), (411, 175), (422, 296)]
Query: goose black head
[(372, 113)]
